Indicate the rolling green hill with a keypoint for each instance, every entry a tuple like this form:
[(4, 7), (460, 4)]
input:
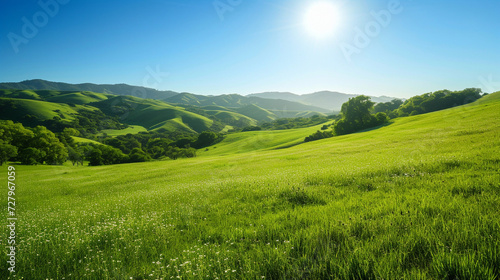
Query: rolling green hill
[(417, 199), (232, 118), (154, 114), (257, 113), (41, 109), (147, 113), (83, 97), (252, 114), (23, 94), (118, 89)]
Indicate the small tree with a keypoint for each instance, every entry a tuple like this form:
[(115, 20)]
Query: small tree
[(31, 156), (52, 150), (95, 157), (112, 155), (138, 155), (173, 152), (75, 156), (7, 152), (205, 139)]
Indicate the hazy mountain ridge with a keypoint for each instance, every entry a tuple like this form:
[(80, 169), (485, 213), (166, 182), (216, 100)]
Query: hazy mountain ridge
[(238, 101), (328, 100)]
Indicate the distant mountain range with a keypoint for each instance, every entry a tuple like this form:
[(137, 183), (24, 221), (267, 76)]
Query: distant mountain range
[(118, 89), (318, 102), (323, 99), (237, 101)]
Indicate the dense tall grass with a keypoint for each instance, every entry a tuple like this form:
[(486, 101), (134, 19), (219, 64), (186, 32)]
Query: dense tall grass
[(418, 199)]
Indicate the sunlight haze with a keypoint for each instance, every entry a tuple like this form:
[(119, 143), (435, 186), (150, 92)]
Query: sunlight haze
[(382, 47)]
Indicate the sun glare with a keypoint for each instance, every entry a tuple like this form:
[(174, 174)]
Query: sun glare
[(321, 19)]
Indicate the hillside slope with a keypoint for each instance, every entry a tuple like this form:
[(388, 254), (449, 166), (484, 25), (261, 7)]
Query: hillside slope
[(417, 199)]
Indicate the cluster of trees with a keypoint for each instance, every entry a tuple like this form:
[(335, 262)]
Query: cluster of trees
[(39, 145), (163, 144), (388, 107), (31, 145), (438, 100), (360, 113), (356, 116), (251, 128), (98, 154), (90, 122), (141, 147), (319, 135)]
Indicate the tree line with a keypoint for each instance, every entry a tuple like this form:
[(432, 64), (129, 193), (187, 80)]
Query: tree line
[(31, 146), (39, 145), (359, 112), (141, 147)]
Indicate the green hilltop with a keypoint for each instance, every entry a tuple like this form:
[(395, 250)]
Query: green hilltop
[(16, 109), (153, 114)]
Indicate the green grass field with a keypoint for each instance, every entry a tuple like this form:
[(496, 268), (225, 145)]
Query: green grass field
[(132, 129), (416, 199), (85, 140)]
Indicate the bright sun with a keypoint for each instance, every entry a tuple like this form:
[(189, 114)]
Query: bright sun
[(321, 19)]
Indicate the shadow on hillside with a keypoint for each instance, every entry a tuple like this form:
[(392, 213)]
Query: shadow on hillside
[(374, 128), (288, 146)]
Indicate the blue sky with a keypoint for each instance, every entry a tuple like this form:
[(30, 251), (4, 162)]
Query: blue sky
[(243, 46)]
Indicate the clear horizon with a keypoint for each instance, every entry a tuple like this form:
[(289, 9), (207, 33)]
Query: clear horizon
[(382, 48)]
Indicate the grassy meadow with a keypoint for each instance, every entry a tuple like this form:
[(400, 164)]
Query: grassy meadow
[(416, 199), (133, 129)]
